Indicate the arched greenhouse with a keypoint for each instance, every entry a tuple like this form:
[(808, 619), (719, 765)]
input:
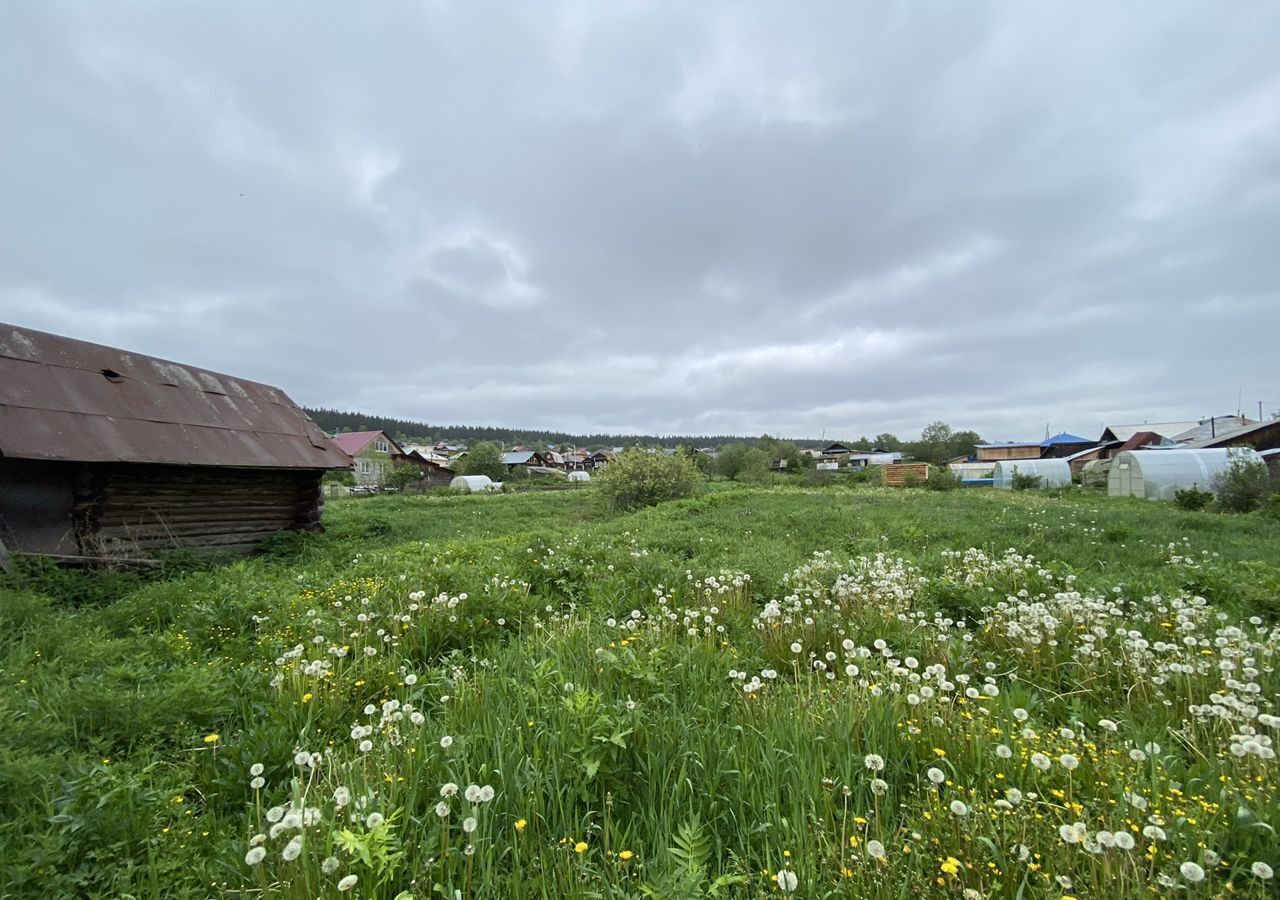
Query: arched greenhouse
[(468, 484), (1051, 472), (1158, 474)]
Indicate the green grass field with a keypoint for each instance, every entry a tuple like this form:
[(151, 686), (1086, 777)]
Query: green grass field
[(839, 692)]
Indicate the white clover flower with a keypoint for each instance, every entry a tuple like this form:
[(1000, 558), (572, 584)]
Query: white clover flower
[(1192, 872), (374, 820), (874, 762), (330, 865), (1261, 870), (787, 881), (347, 883), (936, 775), (875, 849), (256, 769), (292, 849), (255, 855), (958, 808), (469, 824), (442, 809)]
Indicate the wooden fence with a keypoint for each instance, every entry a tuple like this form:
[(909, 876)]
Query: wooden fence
[(896, 475)]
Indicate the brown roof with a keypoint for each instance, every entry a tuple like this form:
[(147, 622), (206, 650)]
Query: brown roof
[(1141, 439), (63, 399)]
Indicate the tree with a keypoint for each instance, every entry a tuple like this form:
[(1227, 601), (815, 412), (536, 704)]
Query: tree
[(755, 466), (484, 459), (775, 448), (696, 458), (729, 462), (887, 441), (400, 475), (636, 478)]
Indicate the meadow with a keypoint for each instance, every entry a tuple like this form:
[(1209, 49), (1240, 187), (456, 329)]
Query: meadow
[(835, 692)]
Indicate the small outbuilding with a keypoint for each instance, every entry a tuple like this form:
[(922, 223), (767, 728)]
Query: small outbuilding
[(1159, 474), (1052, 473), (107, 454), (475, 484)]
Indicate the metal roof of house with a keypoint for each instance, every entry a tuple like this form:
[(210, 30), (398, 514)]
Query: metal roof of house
[(517, 459), (352, 442), (1063, 437), (1257, 435), (1008, 444), (1213, 428), (63, 399), (1164, 429)]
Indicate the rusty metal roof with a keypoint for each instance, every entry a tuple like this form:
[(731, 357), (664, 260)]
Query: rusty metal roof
[(63, 399)]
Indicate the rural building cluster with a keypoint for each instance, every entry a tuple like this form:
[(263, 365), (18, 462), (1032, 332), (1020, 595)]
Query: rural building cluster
[(107, 454)]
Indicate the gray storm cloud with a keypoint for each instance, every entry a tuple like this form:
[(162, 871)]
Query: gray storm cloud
[(660, 217)]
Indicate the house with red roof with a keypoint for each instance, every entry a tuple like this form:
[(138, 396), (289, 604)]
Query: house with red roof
[(374, 454)]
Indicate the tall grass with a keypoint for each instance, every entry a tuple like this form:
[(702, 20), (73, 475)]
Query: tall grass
[(817, 692)]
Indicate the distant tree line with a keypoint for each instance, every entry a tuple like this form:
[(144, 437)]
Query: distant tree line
[(332, 420), (938, 441)]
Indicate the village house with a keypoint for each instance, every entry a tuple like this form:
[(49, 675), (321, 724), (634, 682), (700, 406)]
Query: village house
[(108, 454), (374, 454)]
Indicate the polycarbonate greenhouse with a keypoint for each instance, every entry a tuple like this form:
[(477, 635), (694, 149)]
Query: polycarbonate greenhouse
[(1051, 472), (469, 484), (1158, 474)]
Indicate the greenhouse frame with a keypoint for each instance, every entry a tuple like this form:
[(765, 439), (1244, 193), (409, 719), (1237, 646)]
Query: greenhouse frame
[(1053, 473), (1159, 474)]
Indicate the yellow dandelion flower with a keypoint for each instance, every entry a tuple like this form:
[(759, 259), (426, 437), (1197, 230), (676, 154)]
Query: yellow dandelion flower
[(580, 847), (520, 824), (212, 738), (625, 855)]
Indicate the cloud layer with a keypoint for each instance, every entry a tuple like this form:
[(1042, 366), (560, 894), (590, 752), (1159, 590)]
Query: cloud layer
[(674, 218)]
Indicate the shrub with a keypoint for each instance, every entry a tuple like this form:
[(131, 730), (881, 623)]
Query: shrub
[(1271, 509), (638, 479), (1025, 481), (912, 480), (1243, 486), (943, 479), (1193, 499)]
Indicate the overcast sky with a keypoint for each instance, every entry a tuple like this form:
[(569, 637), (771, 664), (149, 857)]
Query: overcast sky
[(683, 217)]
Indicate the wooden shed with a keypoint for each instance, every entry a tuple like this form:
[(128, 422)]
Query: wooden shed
[(109, 454)]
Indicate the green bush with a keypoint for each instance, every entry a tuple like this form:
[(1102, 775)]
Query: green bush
[(1244, 486), (943, 479), (1024, 481), (637, 478), (1192, 499)]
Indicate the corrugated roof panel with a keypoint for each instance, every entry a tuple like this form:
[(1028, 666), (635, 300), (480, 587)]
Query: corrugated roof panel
[(62, 399)]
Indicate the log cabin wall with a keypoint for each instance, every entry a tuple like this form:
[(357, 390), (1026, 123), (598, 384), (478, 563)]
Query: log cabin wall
[(127, 510)]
